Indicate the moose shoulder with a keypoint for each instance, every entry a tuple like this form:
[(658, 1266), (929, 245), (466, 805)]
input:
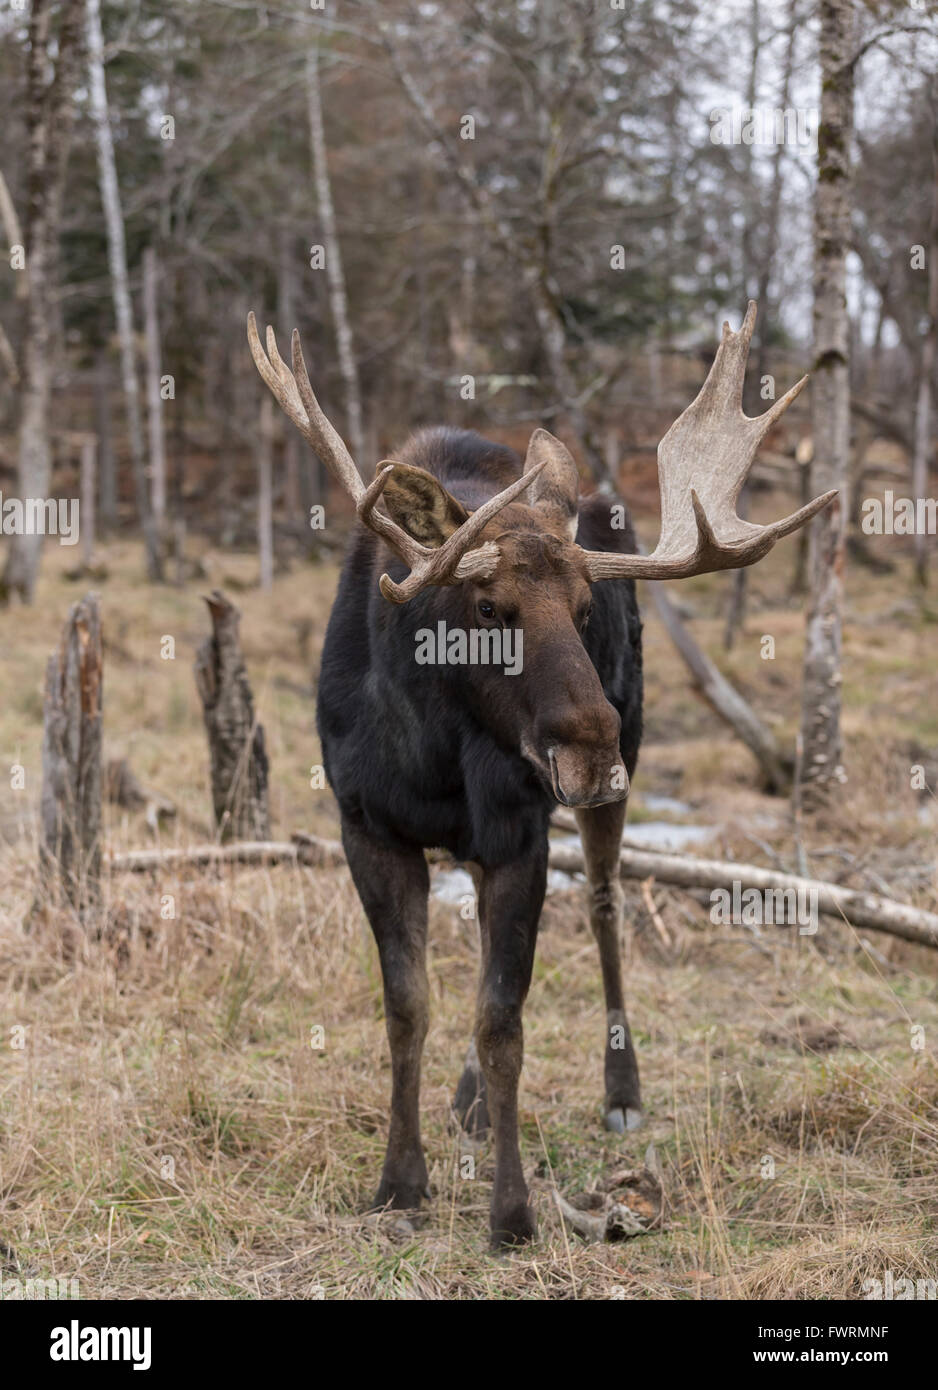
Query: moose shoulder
[(483, 663)]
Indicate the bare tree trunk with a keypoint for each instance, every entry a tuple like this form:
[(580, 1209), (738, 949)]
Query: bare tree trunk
[(338, 298), (265, 522), (286, 314), (830, 401), (117, 260), (236, 741), (87, 488), (107, 474), (70, 807), (13, 233), (49, 111), (777, 769), (740, 579), (553, 336), (8, 358), (151, 280), (922, 452)]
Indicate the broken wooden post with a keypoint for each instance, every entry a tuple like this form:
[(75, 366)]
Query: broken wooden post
[(70, 805), (236, 741)]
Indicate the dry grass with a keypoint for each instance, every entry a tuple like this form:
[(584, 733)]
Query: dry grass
[(167, 1130)]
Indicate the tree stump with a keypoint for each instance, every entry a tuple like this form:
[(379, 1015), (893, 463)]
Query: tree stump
[(70, 805), (235, 739)]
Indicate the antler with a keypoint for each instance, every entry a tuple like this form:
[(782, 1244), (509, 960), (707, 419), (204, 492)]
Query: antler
[(455, 559), (703, 461)]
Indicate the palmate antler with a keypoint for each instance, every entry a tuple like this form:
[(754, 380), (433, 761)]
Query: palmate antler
[(456, 559), (703, 461)]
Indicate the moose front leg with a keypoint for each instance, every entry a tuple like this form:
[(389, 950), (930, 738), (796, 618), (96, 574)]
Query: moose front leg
[(601, 833), (393, 885), (509, 908)]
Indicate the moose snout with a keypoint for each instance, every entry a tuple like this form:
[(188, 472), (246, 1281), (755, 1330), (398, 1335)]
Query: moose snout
[(581, 778), (581, 747)]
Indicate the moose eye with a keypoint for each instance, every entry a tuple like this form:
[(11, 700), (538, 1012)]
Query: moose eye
[(487, 611)]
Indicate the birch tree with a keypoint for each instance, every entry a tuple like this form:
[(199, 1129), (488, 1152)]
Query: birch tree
[(923, 409), (151, 329), (338, 298), (48, 125), (830, 408), (120, 288)]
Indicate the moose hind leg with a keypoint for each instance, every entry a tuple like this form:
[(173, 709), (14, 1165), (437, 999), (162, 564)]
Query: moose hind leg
[(601, 833), (393, 885), (470, 1103)]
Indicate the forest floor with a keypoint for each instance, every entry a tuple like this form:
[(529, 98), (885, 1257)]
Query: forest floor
[(168, 1131)]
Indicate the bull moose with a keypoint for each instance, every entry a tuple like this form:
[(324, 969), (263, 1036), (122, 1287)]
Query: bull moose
[(467, 758)]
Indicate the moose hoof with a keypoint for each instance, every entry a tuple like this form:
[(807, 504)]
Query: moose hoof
[(517, 1226), (401, 1196), (621, 1120)]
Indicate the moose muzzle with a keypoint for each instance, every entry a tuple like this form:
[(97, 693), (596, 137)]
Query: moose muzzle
[(576, 737), (582, 776)]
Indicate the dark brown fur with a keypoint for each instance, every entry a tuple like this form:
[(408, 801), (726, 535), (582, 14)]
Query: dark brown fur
[(472, 760)]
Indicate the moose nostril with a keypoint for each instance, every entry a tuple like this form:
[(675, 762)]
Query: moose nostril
[(555, 778)]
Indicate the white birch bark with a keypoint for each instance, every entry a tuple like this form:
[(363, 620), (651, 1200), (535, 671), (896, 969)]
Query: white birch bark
[(120, 288), (151, 329), (923, 409), (338, 298), (830, 408)]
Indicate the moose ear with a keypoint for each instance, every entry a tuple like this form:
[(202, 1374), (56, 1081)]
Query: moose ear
[(420, 504), (555, 491)]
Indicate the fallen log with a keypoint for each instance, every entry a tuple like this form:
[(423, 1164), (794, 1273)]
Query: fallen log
[(850, 905), (309, 850)]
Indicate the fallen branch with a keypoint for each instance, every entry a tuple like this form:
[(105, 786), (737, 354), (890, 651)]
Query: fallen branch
[(848, 904), (777, 765), (303, 849), (857, 908)]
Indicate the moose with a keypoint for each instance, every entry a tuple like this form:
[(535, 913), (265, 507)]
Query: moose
[(467, 758)]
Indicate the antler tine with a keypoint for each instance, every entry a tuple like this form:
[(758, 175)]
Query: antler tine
[(295, 397), (703, 462), (274, 378), (455, 559), (724, 384), (326, 441)]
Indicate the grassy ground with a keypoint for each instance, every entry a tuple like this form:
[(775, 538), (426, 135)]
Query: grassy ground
[(168, 1131)]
